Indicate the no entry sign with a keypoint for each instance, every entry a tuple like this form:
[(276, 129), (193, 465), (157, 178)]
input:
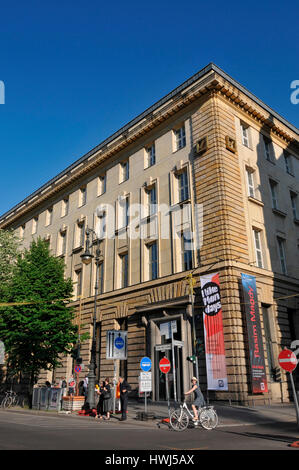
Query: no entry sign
[(287, 360), (164, 365)]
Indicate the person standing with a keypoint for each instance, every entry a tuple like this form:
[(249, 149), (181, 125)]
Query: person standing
[(107, 398), (72, 385), (124, 388)]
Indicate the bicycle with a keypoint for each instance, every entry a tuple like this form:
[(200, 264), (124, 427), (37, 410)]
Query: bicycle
[(11, 398), (207, 418)]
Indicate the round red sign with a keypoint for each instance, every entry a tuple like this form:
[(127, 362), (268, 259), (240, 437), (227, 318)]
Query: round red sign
[(164, 365), (287, 360)]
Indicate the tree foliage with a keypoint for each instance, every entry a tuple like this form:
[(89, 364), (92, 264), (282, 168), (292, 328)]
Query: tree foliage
[(9, 247), (36, 334)]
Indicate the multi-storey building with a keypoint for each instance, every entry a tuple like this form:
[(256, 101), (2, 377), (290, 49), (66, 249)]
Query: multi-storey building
[(209, 159)]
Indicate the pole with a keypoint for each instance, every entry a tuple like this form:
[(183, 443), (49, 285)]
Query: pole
[(295, 398), (194, 336), (167, 393), (145, 403), (173, 361), (114, 385)]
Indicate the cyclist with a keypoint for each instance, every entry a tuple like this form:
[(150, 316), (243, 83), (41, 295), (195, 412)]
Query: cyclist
[(199, 399)]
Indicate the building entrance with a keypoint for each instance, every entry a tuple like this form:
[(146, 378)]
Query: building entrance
[(175, 376)]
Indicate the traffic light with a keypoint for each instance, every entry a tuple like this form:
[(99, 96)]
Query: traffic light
[(79, 361), (75, 352), (276, 372), (191, 359), (200, 347)]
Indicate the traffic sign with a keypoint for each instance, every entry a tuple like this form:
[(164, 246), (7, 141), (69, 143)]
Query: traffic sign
[(145, 382), (77, 369), (146, 364), (164, 365), (287, 360), (116, 344)]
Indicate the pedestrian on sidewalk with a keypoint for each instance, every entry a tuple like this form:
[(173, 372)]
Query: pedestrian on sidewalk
[(124, 388), (72, 385), (107, 398)]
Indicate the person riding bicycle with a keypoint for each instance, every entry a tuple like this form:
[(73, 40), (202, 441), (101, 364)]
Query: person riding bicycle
[(199, 399)]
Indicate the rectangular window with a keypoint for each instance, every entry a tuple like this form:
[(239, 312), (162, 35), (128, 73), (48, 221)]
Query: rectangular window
[(101, 277), (153, 261), (78, 282), (151, 155), (250, 183), (152, 200), (183, 186), (22, 231), (245, 134), (282, 256), (62, 243), (83, 196), (258, 248), (100, 226), (288, 163), (294, 204), (125, 171), (267, 148), (80, 234), (273, 189), (124, 270), (49, 216), (34, 225), (65, 207), (180, 138), (123, 212), (102, 184), (187, 259)]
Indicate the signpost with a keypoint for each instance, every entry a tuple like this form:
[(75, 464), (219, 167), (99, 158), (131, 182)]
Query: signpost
[(116, 348), (164, 366), (145, 379), (288, 361)]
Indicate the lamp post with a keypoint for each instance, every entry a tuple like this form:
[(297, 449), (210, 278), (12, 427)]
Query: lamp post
[(87, 257)]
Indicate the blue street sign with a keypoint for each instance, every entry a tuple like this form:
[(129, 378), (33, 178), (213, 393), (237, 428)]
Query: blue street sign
[(146, 364), (119, 343)]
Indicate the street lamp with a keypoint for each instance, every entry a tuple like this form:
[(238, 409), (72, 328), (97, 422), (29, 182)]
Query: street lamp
[(87, 257)]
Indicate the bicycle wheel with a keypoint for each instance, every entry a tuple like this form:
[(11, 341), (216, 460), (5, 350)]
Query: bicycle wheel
[(6, 402), (179, 420), (206, 419), (214, 418)]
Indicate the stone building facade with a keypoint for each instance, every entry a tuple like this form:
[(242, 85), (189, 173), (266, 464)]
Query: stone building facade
[(208, 159)]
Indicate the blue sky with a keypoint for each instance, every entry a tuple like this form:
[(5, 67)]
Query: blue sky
[(75, 72)]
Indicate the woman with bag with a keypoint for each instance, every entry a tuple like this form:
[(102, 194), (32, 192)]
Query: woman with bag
[(107, 399)]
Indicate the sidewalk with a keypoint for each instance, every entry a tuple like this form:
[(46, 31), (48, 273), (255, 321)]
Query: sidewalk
[(234, 415)]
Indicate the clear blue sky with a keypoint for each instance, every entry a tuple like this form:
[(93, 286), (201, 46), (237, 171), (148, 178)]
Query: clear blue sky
[(75, 72)]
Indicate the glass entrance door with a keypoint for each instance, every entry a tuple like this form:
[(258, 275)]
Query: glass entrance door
[(160, 378)]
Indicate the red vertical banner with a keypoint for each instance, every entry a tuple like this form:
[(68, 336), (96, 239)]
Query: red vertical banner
[(213, 330)]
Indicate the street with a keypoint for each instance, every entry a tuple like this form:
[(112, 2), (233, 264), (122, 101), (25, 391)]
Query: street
[(23, 431)]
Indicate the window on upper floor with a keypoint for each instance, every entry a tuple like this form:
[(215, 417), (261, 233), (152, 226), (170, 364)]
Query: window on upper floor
[(274, 193), (268, 149), (102, 181), (123, 212), (153, 260), (34, 225), (65, 207), (78, 282), (79, 234), (245, 134), (22, 231), (183, 185), (150, 155), (288, 163), (294, 202), (151, 199), (250, 182), (258, 248), (179, 138), (282, 255), (187, 252), (124, 270), (82, 196), (49, 216), (61, 248), (124, 171)]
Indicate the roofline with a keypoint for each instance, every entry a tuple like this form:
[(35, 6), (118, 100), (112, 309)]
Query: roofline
[(210, 67)]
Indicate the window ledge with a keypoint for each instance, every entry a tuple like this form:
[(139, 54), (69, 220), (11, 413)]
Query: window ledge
[(256, 201), (278, 212), (296, 221), (77, 249)]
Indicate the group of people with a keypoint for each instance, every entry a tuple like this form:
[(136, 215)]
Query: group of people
[(105, 404)]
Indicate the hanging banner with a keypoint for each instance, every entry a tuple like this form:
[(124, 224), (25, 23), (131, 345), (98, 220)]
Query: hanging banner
[(213, 331), (255, 340)]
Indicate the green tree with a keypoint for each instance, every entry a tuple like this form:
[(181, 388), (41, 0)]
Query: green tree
[(9, 247), (36, 334)]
